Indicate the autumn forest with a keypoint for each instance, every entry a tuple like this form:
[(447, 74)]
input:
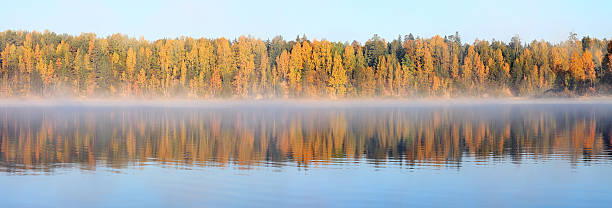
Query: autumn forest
[(35, 64)]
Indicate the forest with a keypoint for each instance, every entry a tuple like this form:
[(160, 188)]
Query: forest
[(47, 64)]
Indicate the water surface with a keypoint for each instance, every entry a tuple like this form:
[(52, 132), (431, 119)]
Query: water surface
[(490, 154)]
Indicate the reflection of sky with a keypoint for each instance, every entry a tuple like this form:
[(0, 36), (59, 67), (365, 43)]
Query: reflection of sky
[(343, 20), (553, 183)]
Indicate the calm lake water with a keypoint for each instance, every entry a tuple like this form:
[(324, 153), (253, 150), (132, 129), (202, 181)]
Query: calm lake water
[(279, 155)]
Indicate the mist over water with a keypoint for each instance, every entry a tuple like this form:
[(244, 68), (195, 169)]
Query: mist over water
[(308, 153)]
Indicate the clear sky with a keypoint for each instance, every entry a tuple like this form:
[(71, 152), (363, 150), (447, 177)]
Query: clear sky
[(341, 20)]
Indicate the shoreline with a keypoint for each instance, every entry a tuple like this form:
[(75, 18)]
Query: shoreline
[(308, 103)]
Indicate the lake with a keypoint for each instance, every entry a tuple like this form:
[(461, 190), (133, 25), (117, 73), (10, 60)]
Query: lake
[(307, 154)]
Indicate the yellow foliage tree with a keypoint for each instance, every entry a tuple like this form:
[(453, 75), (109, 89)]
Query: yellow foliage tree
[(296, 64), (576, 67), (141, 81), (466, 73), (454, 70), (589, 66), (215, 82), (130, 63), (338, 80)]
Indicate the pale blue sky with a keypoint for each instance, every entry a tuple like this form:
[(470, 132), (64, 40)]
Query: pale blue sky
[(334, 20)]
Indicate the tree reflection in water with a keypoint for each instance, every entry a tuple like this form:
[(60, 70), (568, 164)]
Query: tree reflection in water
[(46, 138)]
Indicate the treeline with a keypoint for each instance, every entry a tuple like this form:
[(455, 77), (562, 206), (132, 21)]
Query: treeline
[(48, 64)]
